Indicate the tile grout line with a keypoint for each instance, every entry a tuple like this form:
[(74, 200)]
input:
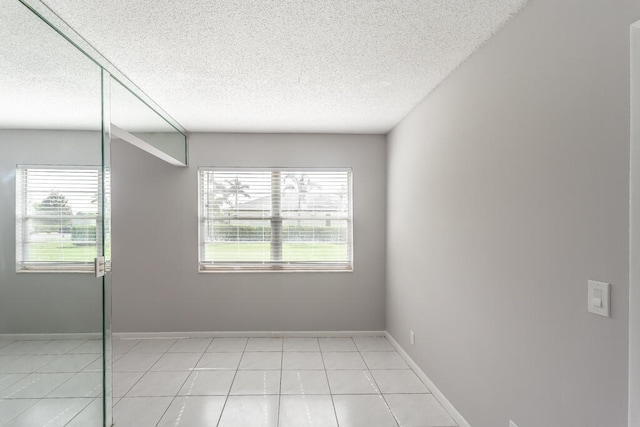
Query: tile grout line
[(113, 372), (58, 356), (68, 379), (143, 372), (386, 404), (326, 374), (183, 383), (244, 349), (81, 411), (280, 389), (143, 375), (23, 411)]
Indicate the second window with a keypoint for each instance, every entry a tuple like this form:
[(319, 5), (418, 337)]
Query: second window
[(275, 219)]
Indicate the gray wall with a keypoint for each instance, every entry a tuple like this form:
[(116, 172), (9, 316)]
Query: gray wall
[(156, 284), (43, 302), (508, 189)]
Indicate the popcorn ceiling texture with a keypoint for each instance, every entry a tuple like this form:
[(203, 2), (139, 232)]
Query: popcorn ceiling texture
[(45, 83), (287, 65)]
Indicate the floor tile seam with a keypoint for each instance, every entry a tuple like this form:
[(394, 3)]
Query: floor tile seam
[(280, 385), (80, 411), (378, 387), (326, 375), (134, 384), (57, 387), (6, 397), (190, 370), (369, 370), (82, 343), (187, 338), (64, 372), (173, 398), (7, 361), (226, 400), (71, 378), (154, 363), (25, 409), (148, 371), (40, 400), (134, 346), (41, 367), (384, 399), (21, 377), (428, 391), (57, 397), (168, 395), (7, 343)]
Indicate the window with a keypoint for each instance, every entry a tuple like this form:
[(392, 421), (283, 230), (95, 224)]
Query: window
[(275, 219), (57, 218)]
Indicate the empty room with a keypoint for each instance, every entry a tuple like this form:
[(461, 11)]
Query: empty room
[(320, 213)]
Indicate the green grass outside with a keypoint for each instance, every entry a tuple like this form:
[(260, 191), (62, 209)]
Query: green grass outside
[(224, 252), (57, 251), (258, 252)]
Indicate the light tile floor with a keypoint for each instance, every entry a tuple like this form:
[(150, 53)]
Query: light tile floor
[(220, 382), (51, 383), (269, 382)]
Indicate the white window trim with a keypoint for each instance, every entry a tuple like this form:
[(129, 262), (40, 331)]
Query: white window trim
[(284, 267)]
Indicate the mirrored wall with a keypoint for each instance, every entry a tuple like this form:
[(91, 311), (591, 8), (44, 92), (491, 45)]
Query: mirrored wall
[(61, 104)]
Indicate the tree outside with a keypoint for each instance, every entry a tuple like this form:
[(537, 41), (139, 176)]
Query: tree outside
[(233, 189), (302, 185), (56, 206)]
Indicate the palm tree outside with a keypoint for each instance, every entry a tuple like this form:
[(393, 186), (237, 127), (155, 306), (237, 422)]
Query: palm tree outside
[(234, 187), (302, 185)]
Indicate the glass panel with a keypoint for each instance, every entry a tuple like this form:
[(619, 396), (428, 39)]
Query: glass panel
[(106, 232), (51, 321), (135, 117)]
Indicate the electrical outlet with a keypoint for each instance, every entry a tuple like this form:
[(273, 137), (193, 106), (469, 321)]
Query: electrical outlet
[(512, 424), (412, 340)]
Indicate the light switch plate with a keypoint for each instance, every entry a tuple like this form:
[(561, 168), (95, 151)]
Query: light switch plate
[(598, 296)]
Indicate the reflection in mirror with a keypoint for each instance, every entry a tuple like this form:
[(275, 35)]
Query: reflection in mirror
[(135, 122), (51, 313)]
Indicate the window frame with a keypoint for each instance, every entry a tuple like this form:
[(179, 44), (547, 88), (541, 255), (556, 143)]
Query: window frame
[(22, 217), (283, 266)]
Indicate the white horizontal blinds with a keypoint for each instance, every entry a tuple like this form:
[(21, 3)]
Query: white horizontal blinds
[(104, 212), (316, 217), (275, 218), (57, 214), (237, 208)]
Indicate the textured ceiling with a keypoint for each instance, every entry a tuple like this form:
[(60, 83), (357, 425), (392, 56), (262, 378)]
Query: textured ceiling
[(286, 65), (45, 83)]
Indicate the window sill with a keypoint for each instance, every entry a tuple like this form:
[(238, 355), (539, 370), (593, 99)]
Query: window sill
[(73, 269), (49, 270), (275, 269)]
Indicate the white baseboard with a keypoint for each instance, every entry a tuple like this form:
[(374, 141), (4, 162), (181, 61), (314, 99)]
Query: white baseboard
[(247, 334), (457, 416), (79, 336)]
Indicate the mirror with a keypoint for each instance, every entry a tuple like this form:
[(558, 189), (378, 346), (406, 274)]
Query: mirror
[(51, 213), (61, 103)]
